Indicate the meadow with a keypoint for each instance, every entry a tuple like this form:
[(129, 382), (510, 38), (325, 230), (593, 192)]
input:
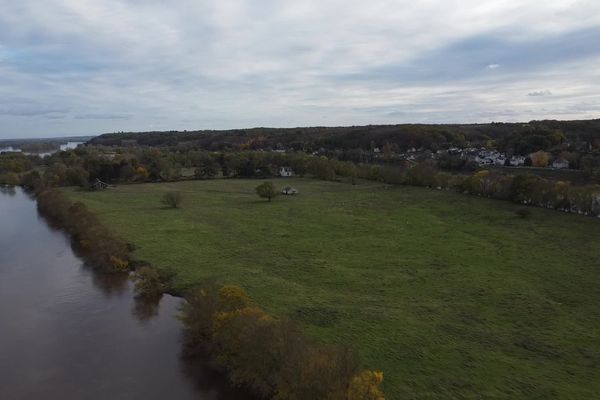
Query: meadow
[(451, 296)]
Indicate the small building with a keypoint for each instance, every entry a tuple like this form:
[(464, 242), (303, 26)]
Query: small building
[(286, 172), (560, 163), (99, 185), (501, 160), (517, 161), (289, 191)]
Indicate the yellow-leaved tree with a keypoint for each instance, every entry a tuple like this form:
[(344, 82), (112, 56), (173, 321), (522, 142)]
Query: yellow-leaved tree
[(540, 159), (365, 386), (142, 172)]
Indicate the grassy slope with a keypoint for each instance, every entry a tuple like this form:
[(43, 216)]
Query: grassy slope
[(451, 296)]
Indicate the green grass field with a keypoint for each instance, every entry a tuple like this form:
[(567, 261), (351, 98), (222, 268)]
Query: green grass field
[(451, 296)]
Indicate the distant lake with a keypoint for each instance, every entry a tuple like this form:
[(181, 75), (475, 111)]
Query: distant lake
[(69, 332), (9, 149), (63, 147)]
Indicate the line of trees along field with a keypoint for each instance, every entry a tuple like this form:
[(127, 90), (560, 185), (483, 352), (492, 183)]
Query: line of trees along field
[(84, 165), (101, 248)]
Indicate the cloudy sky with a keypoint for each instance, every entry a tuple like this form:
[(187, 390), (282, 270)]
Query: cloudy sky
[(70, 67)]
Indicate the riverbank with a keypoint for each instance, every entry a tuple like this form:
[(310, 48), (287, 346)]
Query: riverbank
[(269, 356), (396, 273)]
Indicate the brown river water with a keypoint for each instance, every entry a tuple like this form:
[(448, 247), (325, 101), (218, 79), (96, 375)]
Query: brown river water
[(69, 332)]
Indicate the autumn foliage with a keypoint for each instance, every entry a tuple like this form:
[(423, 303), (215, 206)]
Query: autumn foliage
[(365, 386), (270, 356), (148, 282), (540, 159)]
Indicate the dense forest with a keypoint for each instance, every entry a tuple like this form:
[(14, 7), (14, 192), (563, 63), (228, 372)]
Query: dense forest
[(517, 138)]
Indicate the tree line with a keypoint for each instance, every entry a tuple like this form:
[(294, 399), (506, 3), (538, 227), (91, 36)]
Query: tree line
[(100, 247), (81, 166)]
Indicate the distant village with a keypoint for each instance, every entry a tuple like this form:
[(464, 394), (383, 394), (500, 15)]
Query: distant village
[(481, 156)]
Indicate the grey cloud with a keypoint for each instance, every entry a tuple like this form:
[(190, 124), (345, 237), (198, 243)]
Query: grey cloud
[(102, 116), (30, 110), (539, 93), (464, 59), (88, 67)]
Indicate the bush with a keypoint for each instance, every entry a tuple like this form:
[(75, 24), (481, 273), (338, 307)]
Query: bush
[(148, 282), (172, 199), (266, 190), (10, 179), (197, 314), (32, 180), (523, 212), (365, 386)]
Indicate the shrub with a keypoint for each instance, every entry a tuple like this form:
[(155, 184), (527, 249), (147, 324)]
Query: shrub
[(33, 181), (10, 179), (523, 212), (77, 176), (197, 314), (148, 282), (172, 199), (233, 298), (244, 343), (321, 168), (421, 174), (266, 190), (118, 264), (365, 386)]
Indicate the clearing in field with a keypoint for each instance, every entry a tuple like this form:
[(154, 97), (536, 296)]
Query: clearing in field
[(451, 296)]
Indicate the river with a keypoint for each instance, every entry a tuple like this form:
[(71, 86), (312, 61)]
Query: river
[(69, 332)]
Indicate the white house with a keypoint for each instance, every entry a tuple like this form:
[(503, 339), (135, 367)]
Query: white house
[(517, 161), (560, 163), (286, 172), (501, 160)]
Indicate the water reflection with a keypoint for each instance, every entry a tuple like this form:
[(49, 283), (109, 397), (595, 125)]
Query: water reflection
[(114, 283), (145, 308), (8, 190)]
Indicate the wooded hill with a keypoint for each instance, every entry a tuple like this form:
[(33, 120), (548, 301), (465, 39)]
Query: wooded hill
[(519, 138)]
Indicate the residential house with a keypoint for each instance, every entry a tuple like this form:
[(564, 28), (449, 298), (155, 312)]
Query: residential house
[(286, 172), (560, 163), (517, 161)]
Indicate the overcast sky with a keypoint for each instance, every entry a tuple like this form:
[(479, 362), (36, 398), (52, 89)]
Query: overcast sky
[(70, 67)]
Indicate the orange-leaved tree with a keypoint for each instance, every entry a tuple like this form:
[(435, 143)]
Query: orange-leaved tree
[(540, 159)]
